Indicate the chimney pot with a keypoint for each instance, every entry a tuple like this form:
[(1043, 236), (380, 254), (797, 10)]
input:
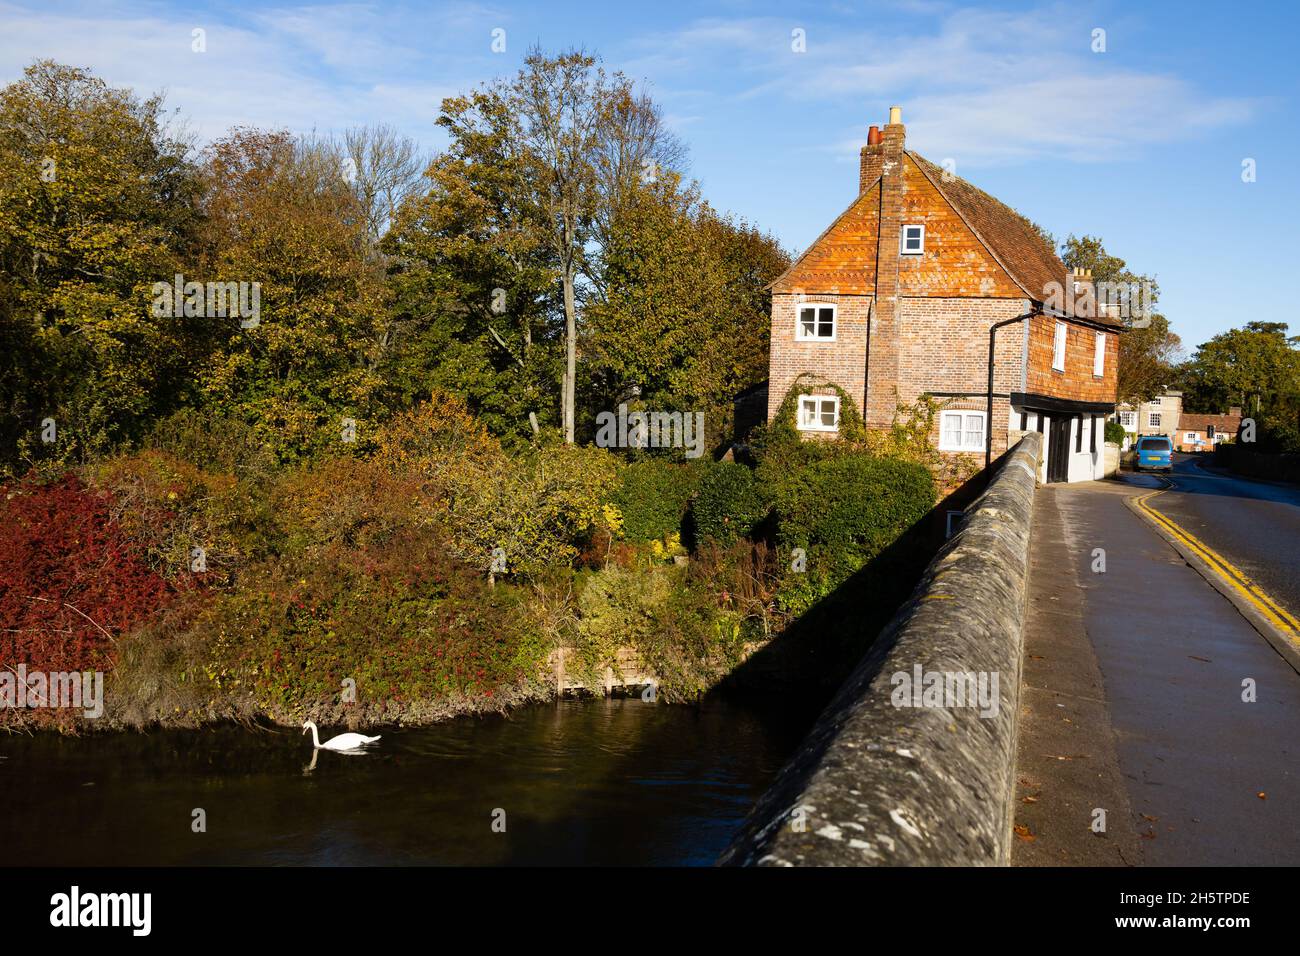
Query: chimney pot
[(895, 115), (873, 136)]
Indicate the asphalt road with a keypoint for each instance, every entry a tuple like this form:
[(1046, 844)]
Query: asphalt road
[(1253, 524), (1133, 682)]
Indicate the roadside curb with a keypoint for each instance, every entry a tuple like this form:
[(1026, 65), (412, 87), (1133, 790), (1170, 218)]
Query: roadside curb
[(1280, 641)]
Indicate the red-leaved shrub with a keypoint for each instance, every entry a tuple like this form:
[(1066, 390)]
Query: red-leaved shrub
[(71, 581)]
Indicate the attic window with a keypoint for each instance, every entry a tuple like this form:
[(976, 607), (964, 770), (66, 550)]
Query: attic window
[(911, 241), (816, 322)]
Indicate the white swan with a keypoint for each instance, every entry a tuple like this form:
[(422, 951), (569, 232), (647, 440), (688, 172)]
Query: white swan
[(341, 742)]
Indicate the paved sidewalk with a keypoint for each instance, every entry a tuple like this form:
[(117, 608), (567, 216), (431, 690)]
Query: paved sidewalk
[(1132, 703)]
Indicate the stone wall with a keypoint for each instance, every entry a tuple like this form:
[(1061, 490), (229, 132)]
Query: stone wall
[(880, 782)]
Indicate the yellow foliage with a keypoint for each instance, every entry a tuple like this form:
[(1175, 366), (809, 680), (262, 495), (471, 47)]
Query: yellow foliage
[(669, 546), (613, 519), (533, 509), (347, 501)]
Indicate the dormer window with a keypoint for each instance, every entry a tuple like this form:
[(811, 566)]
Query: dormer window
[(816, 323), (911, 241)]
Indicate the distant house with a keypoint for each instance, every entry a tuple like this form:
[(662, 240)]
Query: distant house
[(1198, 432), (1159, 416), (925, 285)]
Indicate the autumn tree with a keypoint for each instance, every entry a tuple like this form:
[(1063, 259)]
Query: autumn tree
[(512, 234), (97, 203), (473, 283), (558, 105), (1148, 349), (280, 213), (682, 313)]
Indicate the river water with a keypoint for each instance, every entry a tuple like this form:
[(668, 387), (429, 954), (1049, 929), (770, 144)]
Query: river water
[(604, 781)]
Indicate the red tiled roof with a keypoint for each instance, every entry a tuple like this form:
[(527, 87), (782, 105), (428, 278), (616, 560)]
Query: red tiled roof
[(1197, 422), (839, 257), (1009, 236), (843, 258)]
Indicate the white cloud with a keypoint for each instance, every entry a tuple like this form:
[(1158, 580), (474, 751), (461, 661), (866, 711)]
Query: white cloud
[(985, 87), (988, 87), (321, 68)]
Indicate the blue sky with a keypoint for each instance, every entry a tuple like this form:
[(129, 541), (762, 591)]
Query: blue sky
[(1142, 144)]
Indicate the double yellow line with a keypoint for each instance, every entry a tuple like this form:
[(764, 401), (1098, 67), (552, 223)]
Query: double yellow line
[(1273, 612)]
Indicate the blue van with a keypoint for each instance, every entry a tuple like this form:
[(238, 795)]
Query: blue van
[(1154, 453)]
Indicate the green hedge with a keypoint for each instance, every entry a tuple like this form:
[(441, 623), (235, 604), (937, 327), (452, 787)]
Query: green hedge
[(729, 504), (654, 494), (1115, 433), (844, 512)]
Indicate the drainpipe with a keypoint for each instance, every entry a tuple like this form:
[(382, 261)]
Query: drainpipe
[(988, 426)]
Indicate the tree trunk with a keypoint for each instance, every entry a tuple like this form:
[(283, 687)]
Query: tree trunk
[(570, 356)]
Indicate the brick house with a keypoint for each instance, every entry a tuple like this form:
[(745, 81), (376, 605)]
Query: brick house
[(1198, 432), (925, 285)]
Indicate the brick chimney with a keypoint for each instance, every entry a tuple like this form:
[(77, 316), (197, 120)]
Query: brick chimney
[(882, 334), (1083, 294), (870, 159)]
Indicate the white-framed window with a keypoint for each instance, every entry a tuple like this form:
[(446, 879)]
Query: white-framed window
[(1154, 401), (1099, 355), (911, 240), (1153, 419), (815, 322), (1058, 348), (819, 413), (1191, 437), (1129, 420), (961, 431)]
